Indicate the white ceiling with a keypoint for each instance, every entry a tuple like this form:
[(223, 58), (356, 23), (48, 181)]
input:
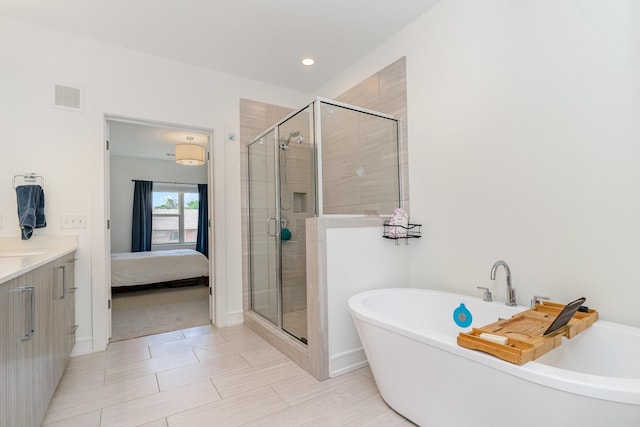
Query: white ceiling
[(260, 39), (149, 141), (263, 40)]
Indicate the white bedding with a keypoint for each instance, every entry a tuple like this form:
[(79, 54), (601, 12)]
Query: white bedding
[(141, 268)]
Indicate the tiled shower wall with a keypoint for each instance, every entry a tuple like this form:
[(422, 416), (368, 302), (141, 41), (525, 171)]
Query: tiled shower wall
[(359, 162), (386, 92)]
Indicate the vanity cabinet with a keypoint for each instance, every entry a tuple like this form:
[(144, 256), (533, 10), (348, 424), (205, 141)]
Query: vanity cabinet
[(36, 338)]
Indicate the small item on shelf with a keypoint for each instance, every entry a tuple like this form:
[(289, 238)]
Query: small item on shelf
[(400, 217)]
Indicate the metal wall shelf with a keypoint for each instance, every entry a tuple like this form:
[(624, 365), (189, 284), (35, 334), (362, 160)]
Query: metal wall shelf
[(400, 232)]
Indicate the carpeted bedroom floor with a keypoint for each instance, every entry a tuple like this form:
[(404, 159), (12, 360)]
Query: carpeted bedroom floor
[(139, 313)]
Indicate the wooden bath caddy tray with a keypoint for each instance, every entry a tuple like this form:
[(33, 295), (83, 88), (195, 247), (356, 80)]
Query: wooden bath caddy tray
[(524, 333)]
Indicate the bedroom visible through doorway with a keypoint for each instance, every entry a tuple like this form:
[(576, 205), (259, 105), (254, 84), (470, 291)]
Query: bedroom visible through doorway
[(152, 311), (159, 236)]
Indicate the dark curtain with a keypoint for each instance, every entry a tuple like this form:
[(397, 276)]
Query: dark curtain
[(202, 242), (142, 216)]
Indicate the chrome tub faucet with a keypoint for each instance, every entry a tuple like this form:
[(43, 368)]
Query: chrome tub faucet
[(511, 293), (487, 294)]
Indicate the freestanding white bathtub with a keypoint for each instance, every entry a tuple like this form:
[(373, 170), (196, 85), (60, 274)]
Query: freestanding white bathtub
[(409, 337)]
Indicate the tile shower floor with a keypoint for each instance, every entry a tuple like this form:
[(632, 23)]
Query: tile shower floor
[(209, 377)]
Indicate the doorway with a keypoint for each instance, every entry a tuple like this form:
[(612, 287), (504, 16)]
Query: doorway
[(144, 150)]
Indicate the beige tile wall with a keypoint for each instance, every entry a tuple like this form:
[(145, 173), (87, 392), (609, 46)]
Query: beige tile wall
[(386, 92), (359, 162)]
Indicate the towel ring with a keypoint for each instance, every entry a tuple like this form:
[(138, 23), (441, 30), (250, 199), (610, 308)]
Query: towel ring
[(29, 178)]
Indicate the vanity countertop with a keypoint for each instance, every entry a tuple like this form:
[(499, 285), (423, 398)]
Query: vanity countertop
[(18, 257)]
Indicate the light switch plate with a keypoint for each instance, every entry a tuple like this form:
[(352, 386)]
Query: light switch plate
[(73, 221)]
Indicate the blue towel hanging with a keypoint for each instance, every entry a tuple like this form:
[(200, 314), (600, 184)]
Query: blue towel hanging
[(30, 209)]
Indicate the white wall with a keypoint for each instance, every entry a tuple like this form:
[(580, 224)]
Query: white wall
[(523, 146), (125, 169), (67, 147), (358, 260)]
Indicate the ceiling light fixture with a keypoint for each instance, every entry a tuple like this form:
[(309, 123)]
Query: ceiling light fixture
[(308, 61), (190, 154)]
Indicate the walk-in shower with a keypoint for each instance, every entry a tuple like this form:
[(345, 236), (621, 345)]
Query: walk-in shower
[(327, 158)]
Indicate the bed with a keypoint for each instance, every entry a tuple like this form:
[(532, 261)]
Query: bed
[(175, 267)]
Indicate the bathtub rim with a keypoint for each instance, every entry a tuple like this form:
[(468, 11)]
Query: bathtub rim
[(615, 389)]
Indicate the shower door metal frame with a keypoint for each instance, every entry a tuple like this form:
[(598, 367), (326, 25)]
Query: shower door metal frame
[(276, 236)]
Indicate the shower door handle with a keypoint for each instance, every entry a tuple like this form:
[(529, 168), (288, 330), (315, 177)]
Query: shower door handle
[(276, 220)]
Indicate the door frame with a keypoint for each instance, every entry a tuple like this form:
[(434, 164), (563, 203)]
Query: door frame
[(214, 291)]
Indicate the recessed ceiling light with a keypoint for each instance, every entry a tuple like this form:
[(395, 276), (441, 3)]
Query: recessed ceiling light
[(308, 61)]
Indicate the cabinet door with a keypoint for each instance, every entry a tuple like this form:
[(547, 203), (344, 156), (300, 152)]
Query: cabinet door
[(63, 303), (65, 313), (59, 323), (70, 306), (43, 364), (20, 404), (26, 330), (8, 357), (33, 315)]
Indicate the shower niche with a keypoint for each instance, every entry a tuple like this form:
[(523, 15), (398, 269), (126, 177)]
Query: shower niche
[(325, 159), (299, 202)]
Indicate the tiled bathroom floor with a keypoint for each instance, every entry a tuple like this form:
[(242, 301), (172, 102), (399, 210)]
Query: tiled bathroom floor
[(205, 376)]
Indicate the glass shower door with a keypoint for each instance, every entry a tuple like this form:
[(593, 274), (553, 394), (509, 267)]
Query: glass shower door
[(282, 195), (264, 232), (297, 203)]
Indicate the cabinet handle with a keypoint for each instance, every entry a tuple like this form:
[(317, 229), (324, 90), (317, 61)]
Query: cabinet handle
[(72, 290), (30, 312), (62, 282), (74, 328)]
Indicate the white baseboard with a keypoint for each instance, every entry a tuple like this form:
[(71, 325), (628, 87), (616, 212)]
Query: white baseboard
[(347, 361), (234, 318), (82, 346)]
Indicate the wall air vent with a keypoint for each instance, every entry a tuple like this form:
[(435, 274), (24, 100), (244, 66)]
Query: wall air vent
[(68, 97)]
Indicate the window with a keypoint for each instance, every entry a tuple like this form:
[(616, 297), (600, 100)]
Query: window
[(175, 214)]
